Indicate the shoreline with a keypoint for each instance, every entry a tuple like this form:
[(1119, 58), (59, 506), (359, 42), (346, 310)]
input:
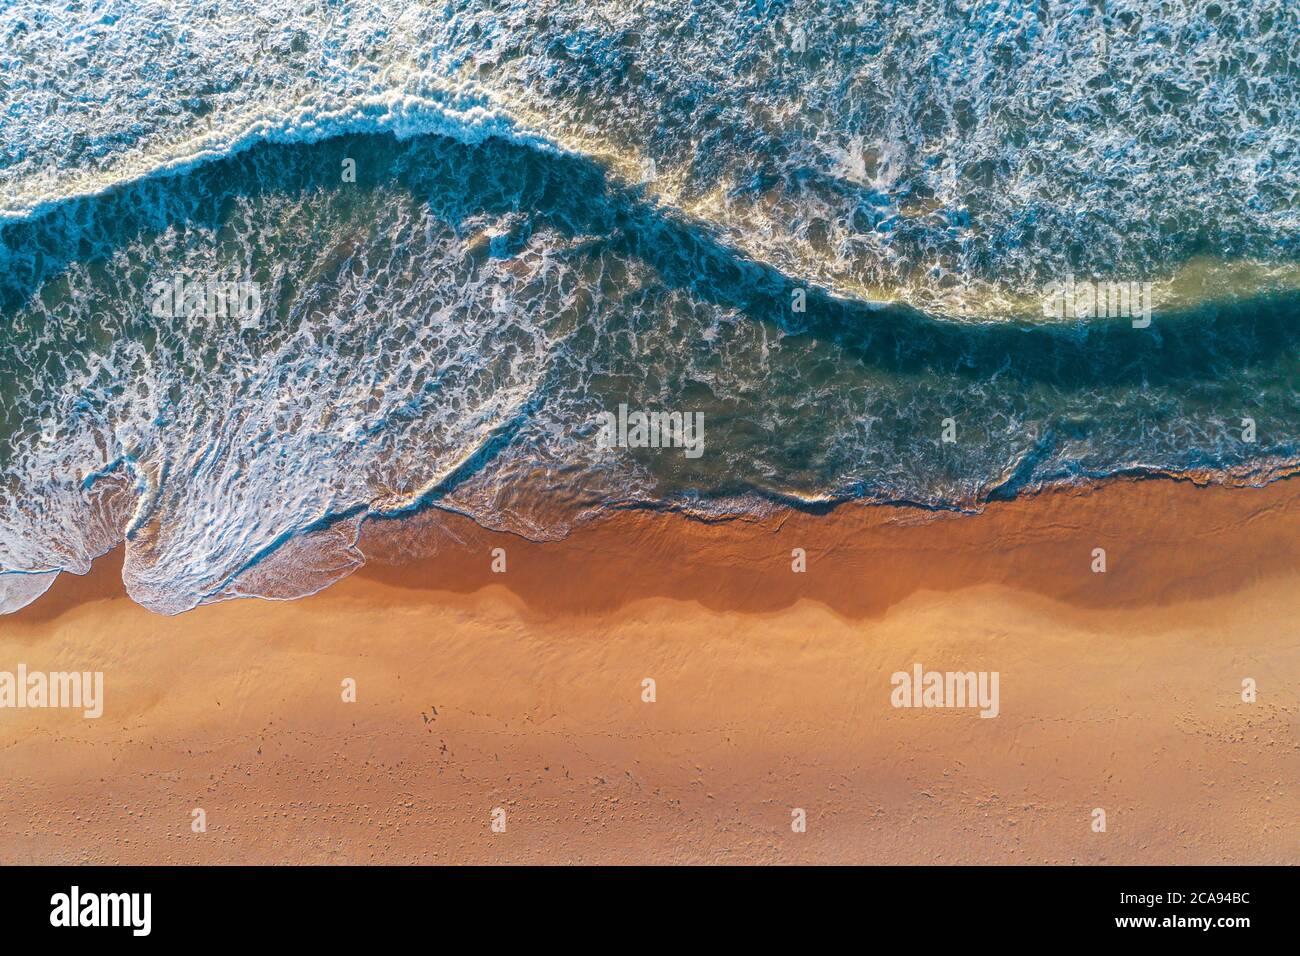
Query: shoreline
[(389, 542), (522, 691)]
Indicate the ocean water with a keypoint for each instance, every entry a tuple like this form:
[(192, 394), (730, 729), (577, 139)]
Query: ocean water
[(826, 227)]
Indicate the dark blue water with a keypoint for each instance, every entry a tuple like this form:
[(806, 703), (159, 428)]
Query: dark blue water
[(826, 230)]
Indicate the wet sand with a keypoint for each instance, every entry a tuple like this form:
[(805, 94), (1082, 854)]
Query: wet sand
[(523, 691)]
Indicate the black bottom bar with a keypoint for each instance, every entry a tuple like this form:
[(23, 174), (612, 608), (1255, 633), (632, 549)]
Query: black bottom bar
[(334, 905)]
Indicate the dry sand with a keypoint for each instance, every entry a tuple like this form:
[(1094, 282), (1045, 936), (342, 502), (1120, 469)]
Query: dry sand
[(523, 691)]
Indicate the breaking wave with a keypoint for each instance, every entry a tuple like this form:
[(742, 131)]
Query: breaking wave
[(475, 228)]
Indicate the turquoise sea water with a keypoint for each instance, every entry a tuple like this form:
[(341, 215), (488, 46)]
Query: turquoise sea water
[(827, 228)]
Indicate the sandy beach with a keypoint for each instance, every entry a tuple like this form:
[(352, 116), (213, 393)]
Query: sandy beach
[(522, 692)]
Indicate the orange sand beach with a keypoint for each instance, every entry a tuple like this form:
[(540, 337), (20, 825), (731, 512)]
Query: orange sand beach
[(518, 698)]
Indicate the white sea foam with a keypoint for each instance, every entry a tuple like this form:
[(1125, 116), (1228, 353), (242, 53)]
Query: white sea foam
[(19, 590), (948, 157), (919, 151)]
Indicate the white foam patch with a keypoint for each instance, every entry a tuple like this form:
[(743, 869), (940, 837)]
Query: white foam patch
[(922, 151), (19, 590), (953, 158)]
